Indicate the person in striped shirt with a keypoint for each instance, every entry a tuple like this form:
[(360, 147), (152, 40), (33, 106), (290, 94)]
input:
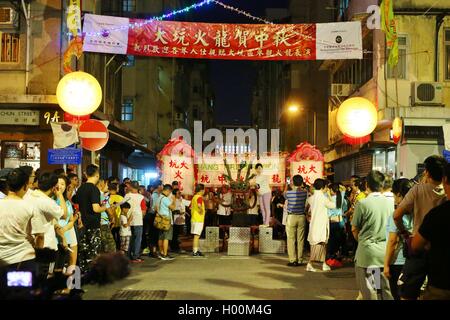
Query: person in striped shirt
[(296, 221)]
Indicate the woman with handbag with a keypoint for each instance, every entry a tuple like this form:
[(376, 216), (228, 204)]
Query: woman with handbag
[(164, 221)]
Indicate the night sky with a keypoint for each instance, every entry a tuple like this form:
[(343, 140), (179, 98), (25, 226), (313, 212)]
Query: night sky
[(233, 81)]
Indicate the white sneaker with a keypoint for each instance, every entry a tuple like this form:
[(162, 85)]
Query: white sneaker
[(325, 267), (310, 268)]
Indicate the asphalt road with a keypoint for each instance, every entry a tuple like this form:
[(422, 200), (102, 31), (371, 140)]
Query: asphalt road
[(223, 277)]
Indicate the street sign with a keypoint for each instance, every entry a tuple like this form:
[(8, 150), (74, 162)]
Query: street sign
[(93, 135), (65, 156), (447, 155)]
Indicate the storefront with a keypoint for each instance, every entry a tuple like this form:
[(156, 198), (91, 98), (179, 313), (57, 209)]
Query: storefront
[(381, 156), (418, 143), (26, 135), (125, 157)]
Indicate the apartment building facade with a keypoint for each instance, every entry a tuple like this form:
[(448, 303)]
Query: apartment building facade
[(417, 91)]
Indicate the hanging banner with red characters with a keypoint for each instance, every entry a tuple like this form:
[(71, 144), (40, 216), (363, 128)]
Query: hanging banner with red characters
[(181, 169), (310, 170), (211, 172), (118, 35)]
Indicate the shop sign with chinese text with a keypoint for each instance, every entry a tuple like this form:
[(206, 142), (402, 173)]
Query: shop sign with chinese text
[(118, 35), (308, 169)]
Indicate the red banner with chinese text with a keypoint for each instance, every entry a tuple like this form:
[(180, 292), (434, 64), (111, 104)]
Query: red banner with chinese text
[(223, 41), (322, 41)]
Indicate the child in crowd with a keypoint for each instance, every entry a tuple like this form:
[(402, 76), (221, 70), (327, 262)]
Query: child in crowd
[(125, 230)]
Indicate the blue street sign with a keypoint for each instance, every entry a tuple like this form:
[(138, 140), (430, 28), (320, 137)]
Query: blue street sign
[(447, 155), (65, 156)]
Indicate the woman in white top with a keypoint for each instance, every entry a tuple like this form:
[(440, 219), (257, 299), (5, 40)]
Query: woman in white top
[(224, 208), (319, 227), (264, 194), (67, 225)]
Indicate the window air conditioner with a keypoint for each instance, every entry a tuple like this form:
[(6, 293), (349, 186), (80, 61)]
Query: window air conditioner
[(427, 94)]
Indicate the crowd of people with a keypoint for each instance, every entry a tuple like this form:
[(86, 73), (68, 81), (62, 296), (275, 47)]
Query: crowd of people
[(394, 231)]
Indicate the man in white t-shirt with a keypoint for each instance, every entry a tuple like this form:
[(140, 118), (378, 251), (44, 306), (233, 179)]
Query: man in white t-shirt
[(21, 229), (138, 210)]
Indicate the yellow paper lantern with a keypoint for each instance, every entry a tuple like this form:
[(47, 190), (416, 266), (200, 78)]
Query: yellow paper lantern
[(357, 117), (79, 93)]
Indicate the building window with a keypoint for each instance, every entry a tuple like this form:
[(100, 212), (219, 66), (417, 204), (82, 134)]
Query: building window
[(402, 56), (131, 61), (447, 54), (195, 112), (129, 5), (343, 6), (128, 110), (9, 48)]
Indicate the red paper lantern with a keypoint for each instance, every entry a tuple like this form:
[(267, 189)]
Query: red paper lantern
[(75, 119), (353, 140)]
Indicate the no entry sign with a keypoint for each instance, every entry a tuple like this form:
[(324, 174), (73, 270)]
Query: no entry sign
[(94, 135)]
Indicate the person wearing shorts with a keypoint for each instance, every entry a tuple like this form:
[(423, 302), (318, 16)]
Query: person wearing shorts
[(197, 218), (165, 207)]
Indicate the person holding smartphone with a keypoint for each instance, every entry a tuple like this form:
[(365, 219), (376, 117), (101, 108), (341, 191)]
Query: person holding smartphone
[(22, 228)]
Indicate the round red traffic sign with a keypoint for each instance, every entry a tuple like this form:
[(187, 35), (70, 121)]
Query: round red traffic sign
[(94, 135)]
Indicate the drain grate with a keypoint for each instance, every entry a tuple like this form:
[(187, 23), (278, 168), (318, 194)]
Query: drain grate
[(339, 275), (139, 295)]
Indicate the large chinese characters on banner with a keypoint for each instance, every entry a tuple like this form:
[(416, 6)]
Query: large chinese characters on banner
[(211, 172), (176, 163), (179, 168), (118, 35), (308, 162)]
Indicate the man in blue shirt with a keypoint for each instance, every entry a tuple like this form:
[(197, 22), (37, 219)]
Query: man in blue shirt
[(296, 221)]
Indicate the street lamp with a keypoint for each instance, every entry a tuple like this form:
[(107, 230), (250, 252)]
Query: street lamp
[(79, 93), (293, 108), (289, 112)]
